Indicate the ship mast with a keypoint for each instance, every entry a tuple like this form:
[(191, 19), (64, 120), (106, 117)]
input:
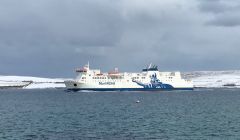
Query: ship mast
[(88, 65), (150, 66)]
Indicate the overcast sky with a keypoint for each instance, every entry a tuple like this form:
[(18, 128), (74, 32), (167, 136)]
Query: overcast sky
[(51, 38)]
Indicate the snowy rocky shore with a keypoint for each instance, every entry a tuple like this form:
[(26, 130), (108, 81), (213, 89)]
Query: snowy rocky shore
[(201, 79), (214, 79), (36, 82)]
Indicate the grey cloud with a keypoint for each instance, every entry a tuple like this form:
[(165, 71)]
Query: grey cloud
[(52, 37), (212, 6), (225, 13), (80, 23), (227, 20)]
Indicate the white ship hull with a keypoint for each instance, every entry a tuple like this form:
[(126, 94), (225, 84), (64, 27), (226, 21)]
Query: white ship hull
[(82, 87), (148, 80)]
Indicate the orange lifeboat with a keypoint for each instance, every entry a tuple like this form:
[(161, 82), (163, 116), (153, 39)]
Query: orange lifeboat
[(115, 72)]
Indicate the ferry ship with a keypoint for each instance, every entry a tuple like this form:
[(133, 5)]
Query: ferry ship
[(150, 79)]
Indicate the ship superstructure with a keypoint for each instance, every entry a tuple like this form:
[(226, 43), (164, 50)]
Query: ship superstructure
[(149, 79)]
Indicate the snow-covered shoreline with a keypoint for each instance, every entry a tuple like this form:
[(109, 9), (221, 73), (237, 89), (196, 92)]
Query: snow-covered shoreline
[(201, 79), (215, 79), (37, 82)]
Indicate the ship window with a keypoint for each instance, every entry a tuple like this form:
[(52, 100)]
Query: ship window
[(83, 77), (75, 85)]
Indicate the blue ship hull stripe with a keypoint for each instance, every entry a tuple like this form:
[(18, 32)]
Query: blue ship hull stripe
[(129, 89)]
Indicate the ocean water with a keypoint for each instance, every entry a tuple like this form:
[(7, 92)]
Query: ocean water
[(58, 115)]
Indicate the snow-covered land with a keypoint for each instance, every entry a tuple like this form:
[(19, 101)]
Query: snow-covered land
[(215, 79), (205, 79), (37, 82)]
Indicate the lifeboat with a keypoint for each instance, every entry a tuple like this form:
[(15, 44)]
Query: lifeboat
[(115, 72)]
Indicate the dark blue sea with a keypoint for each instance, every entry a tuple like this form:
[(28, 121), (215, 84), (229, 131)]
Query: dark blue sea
[(58, 115)]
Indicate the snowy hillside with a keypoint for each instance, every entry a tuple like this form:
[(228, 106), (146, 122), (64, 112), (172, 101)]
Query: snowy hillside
[(37, 82), (215, 79)]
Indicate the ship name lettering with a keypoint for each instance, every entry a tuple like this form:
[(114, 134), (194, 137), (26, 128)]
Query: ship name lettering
[(106, 83)]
